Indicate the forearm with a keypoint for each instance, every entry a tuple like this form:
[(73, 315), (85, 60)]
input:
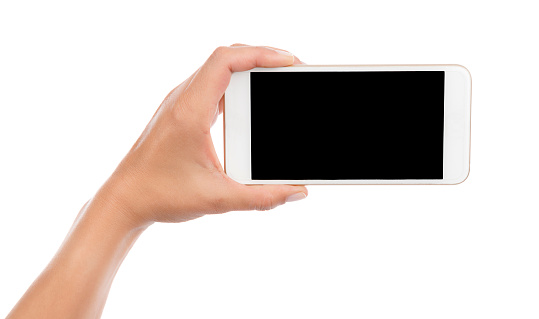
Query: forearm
[(76, 282), (171, 174)]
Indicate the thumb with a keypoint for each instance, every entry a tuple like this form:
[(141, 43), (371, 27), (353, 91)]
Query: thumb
[(266, 197)]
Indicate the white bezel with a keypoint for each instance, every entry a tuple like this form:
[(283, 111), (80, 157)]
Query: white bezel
[(457, 108)]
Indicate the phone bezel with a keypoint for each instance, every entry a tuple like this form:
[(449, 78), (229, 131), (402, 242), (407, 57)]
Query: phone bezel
[(457, 113)]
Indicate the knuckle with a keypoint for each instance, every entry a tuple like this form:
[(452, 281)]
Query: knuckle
[(266, 202), (220, 52)]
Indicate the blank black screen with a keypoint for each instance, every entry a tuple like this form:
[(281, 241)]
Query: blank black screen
[(347, 125)]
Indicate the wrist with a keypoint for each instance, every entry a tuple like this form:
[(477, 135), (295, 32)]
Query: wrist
[(111, 206)]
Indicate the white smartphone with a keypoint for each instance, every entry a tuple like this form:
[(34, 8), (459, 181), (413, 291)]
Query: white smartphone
[(354, 124)]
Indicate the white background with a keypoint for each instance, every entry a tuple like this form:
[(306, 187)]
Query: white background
[(78, 83)]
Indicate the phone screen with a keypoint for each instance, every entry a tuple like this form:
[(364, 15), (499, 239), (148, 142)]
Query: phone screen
[(347, 125)]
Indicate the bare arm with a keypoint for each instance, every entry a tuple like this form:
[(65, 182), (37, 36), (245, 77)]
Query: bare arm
[(171, 174), (76, 282)]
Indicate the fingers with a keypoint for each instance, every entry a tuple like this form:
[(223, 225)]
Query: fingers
[(265, 197), (296, 59), (210, 83), (222, 100)]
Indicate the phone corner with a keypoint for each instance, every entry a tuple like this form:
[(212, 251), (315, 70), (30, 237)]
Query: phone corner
[(461, 179), (237, 179), (462, 70)]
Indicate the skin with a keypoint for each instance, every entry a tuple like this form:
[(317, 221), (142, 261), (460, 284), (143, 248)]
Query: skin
[(171, 174)]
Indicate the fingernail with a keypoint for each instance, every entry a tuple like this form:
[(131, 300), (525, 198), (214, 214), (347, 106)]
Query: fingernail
[(282, 52), (295, 197)]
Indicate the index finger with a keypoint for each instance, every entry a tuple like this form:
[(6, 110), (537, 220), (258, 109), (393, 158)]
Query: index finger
[(210, 83)]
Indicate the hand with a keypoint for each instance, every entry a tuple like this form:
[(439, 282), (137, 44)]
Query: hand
[(172, 173)]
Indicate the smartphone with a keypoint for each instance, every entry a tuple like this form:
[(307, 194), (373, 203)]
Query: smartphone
[(354, 124)]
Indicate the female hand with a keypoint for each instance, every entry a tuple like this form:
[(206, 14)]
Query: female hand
[(172, 173)]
